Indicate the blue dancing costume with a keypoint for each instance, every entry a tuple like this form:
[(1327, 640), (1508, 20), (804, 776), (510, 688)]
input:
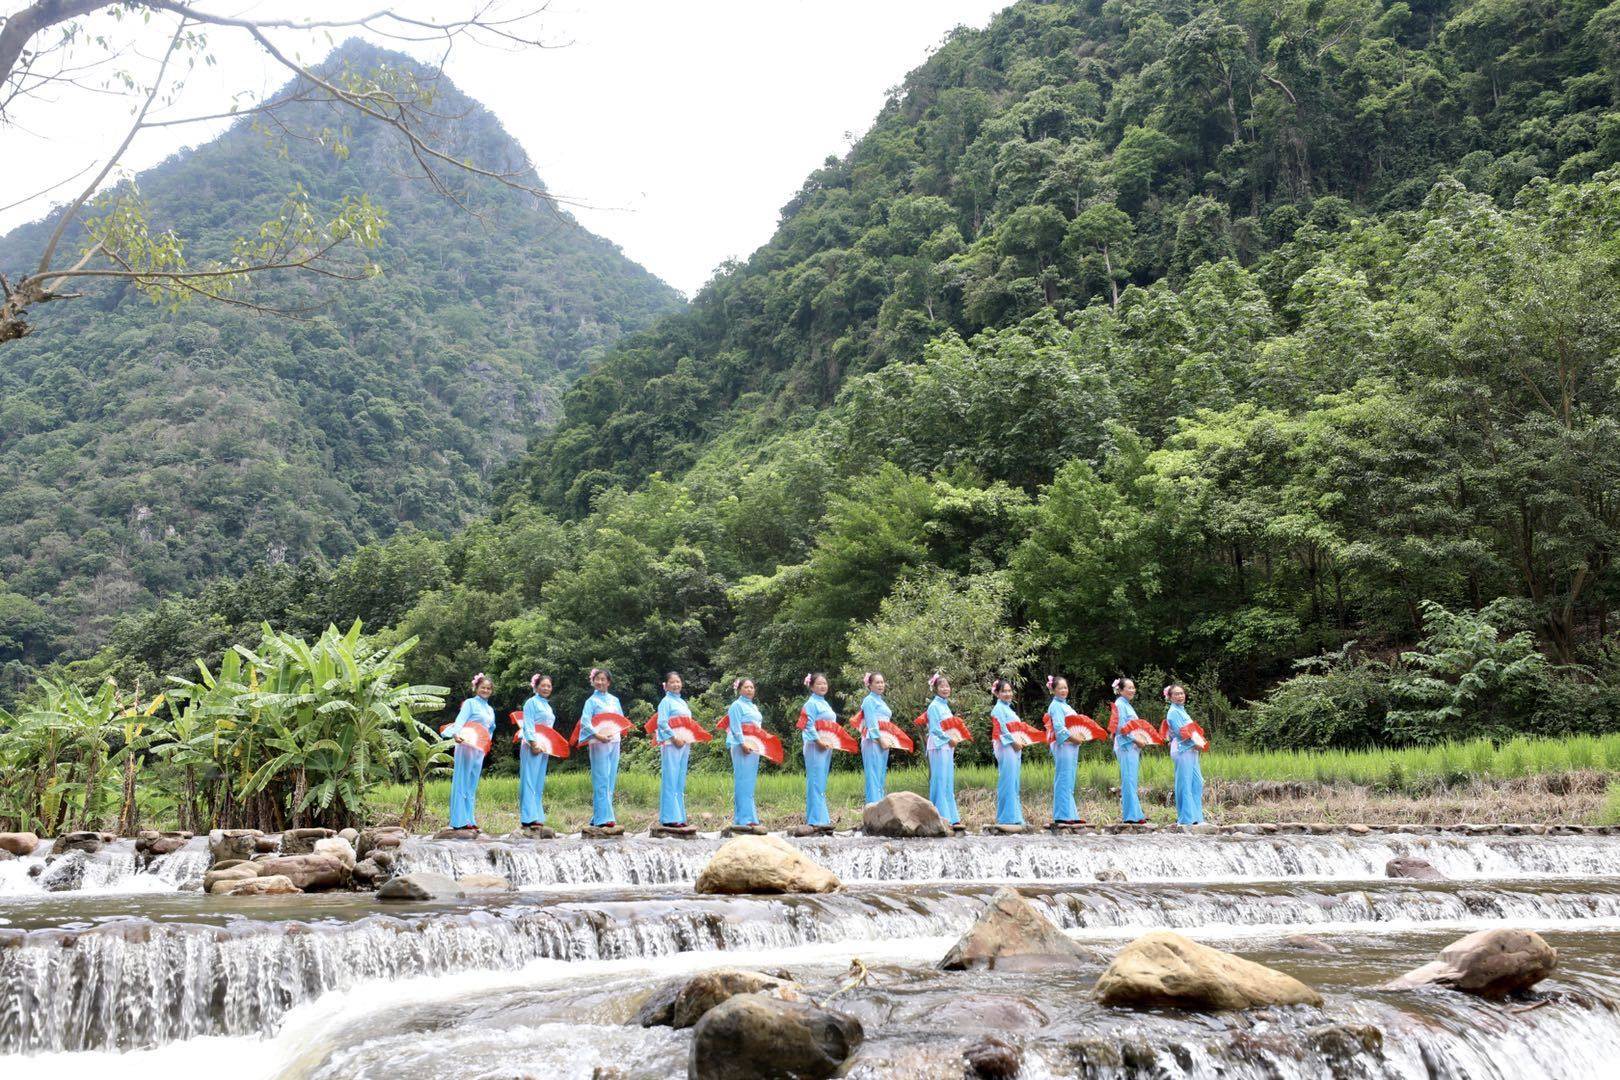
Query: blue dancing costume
[(469, 763), (532, 766), (817, 762), (1189, 770), (1065, 758), (1130, 764), (673, 760), (941, 762), (604, 757), (744, 766), (1009, 763), (874, 755)]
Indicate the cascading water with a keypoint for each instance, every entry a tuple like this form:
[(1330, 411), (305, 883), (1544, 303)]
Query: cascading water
[(115, 868)]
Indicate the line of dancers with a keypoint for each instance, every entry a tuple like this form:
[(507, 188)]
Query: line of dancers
[(872, 733)]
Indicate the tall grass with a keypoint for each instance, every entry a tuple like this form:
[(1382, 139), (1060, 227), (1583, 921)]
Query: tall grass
[(780, 794)]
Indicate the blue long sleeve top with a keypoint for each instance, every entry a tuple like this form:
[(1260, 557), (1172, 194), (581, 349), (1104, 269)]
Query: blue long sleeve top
[(475, 710), (742, 711), (537, 713), (1059, 712), (1004, 712), (672, 705), (1126, 714), (873, 710), (815, 708), (939, 710), (1178, 719), (599, 702)]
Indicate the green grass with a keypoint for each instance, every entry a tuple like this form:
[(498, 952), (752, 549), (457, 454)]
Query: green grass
[(780, 795)]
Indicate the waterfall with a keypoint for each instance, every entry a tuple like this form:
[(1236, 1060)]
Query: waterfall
[(116, 868)]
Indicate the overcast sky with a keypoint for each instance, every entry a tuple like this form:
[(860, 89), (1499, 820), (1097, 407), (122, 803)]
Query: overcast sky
[(684, 126)]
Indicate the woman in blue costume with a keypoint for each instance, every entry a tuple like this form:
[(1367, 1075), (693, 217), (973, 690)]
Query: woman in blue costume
[(469, 758), (531, 761), (1189, 770), (941, 752), (604, 748), (673, 757), (1065, 753), (1009, 757), (1128, 753), (874, 755), (817, 758), (744, 762)]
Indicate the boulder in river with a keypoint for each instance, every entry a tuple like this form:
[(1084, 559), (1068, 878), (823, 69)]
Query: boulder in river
[(270, 885), (64, 873), (1488, 963), (337, 847), (219, 882), (1011, 934), (311, 873), (302, 841), (484, 883), (758, 1037), (764, 864), (18, 843), (657, 1009), (421, 885), (152, 843), (707, 989), (992, 1059), (1166, 969), (87, 842), (903, 814), (233, 844), (1412, 868), (383, 836)]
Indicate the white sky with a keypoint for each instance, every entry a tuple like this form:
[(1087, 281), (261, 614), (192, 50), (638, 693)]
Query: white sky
[(684, 125)]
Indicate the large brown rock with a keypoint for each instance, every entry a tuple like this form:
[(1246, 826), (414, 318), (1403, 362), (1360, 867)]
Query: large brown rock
[(707, 989), (87, 842), (421, 885), (233, 844), (764, 864), (1011, 934), (311, 873), (903, 814), (757, 1037), (1166, 969), (219, 882), (18, 843), (485, 883), (1489, 963), (1414, 869), (302, 841), (273, 885), (337, 847)]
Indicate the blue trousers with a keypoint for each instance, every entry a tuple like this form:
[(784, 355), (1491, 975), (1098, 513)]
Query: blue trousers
[(672, 783), (604, 778), (1065, 756), (875, 761), (817, 763), (1189, 787), (744, 773), (942, 782), (464, 786), (1130, 768), (1009, 806), (531, 786)]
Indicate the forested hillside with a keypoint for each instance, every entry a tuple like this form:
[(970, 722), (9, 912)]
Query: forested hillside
[(1269, 346), (145, 451)]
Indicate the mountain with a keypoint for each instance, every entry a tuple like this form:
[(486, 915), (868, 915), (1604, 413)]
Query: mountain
[(1266, 347), (144, 452)]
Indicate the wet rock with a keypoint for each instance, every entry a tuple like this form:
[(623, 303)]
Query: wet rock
[(464, 833), (65, 873), (367, 873), (903, 814), (484, 883), (151, 843), (672, 832), (1488, 963), (6, 856), (807, 831), (381, 837), (338, 848), (421, 885), (351, 835), (1166, 969), (1412, 868), (18, 843), (763, 864), (267, 845), (1006, 830), (302, 841), (87, 842), (657, 1009), (707, 989), (744, 830), (756, 1037), (311, 873), (601, 832), (988, 1013), (1308, 943), (269, 885), (536, 832), (219, 882), (233, 844), (1011, 934), (1110, 875), (384, 857), (992, 1059)]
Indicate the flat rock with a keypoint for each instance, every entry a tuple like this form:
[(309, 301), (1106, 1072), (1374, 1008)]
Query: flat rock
[(18, 843), (1166, 969), (536, 832), (601, 832), (744, 830), (1487, 963), (763, 864), (1308, 943), (673, 832), (467, 833), (707, 989), (1411, 868), (807, 831), (87, 842), (485, 883), (753, 1036), (311, 873), (420, 885), (272, 885), (904, 814), (1006, 830), (219, 881), (1011, 934)]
